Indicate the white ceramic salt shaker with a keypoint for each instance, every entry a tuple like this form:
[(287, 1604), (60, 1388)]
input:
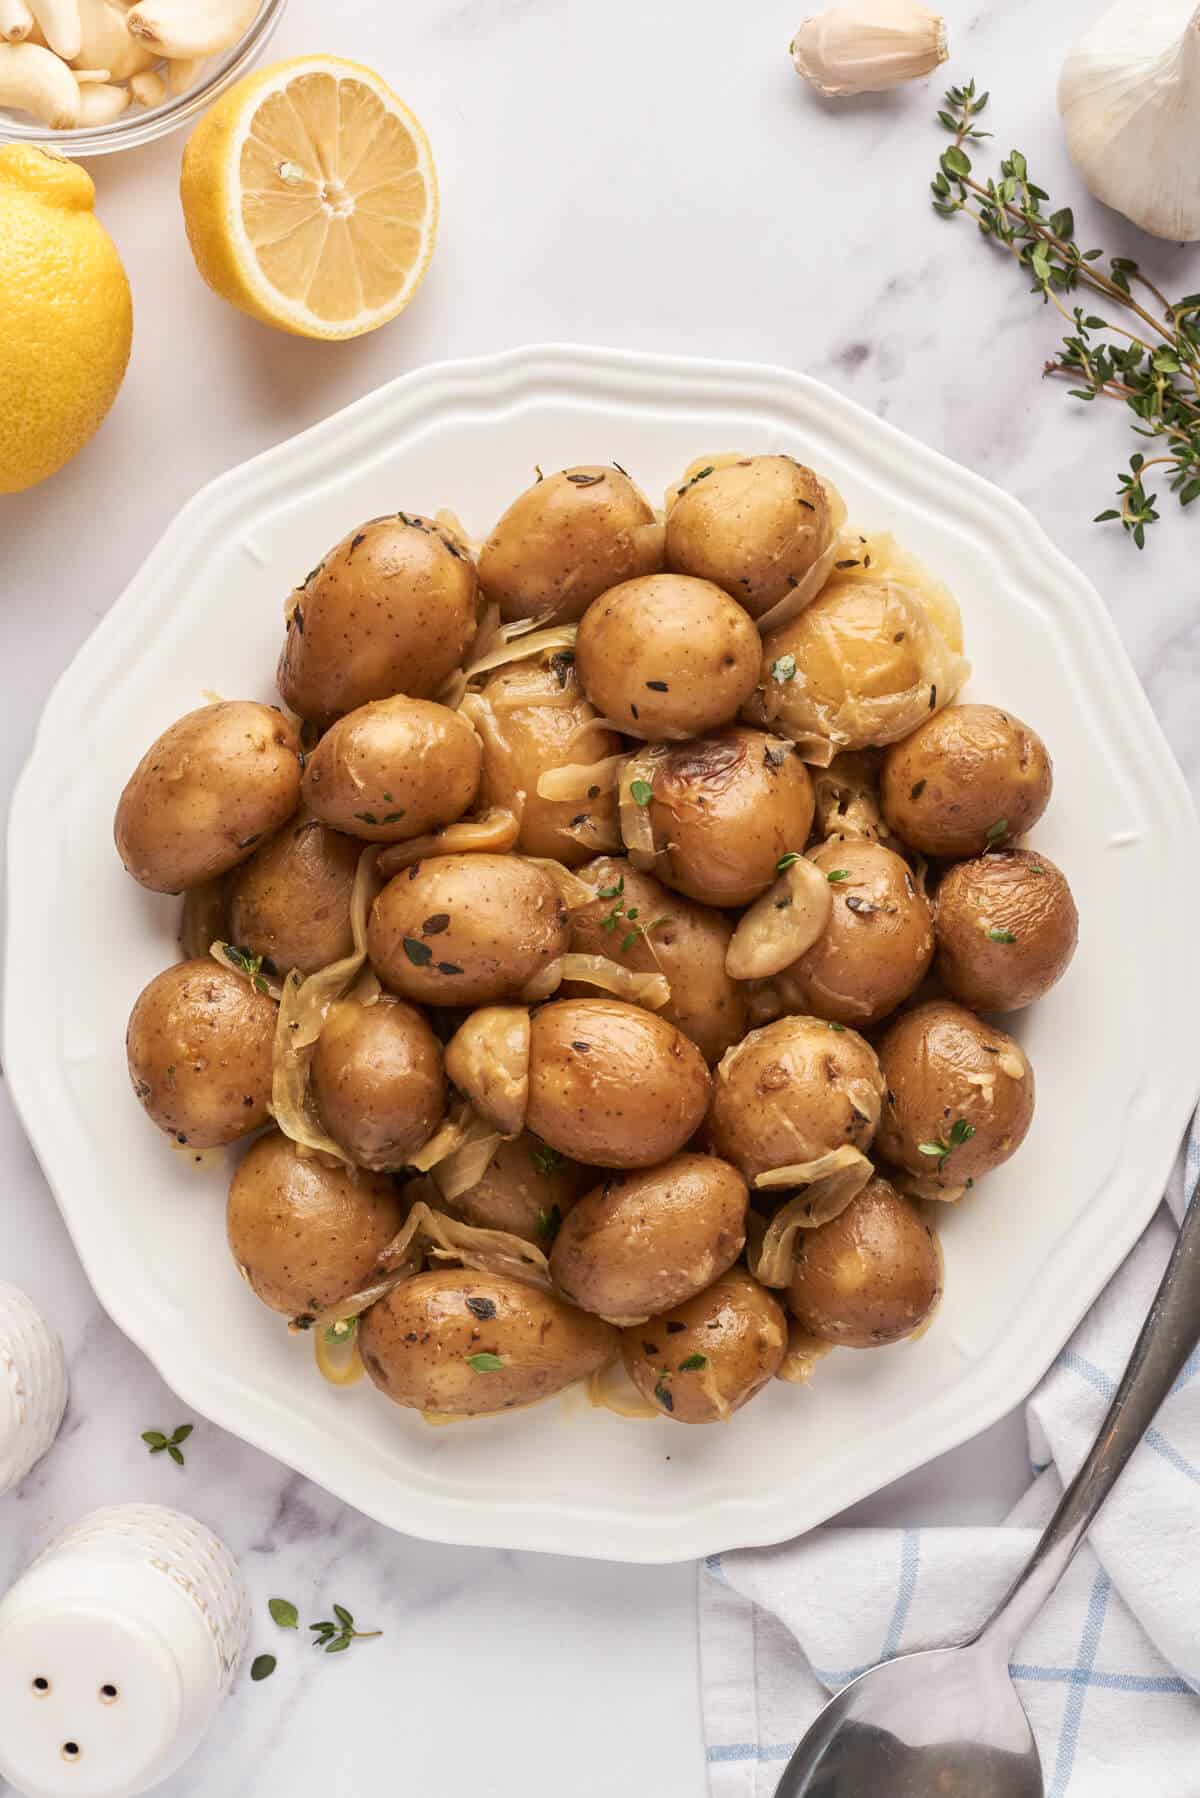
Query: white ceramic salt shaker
[(33, 1385), (116, 1647)]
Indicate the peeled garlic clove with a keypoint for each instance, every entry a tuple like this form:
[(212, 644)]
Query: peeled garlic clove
[(101, 102), (488, 1061), (865, 46), (781, 926)]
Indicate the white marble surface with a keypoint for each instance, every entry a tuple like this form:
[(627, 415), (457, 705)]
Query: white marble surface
[(639, 174)]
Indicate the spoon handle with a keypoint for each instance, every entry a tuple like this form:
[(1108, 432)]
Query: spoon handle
[(1168, 1336)]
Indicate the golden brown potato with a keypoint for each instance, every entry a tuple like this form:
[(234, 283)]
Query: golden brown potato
[(466, 929), (525, 738), (959, 1098), (719, 814), (394, 769), (878, 944), (1006, 928), (667, 657), (792, 1092), (206, 792), (566, 539), (642, 1242), (527, 1190), (870, 1276), (199, 1050), (305, 1234), (290, 903), (636, 921), (704, 1360), (757, 527), (462, 1344), (377, 1079), (971, 779), (391, 609), (611, 1084)]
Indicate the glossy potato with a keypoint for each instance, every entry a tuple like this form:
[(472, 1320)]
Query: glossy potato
[(706, 1358), (667, 657), (377, 1079), (199, 1046), (612, 1085), (527, 1190), (567, 539), (290, 903), (792, 1092), (212, 787), (1006, 928), (641, 1242), (756, 527), (466, 929), (391, 609), (394, 769), (304, 1234), (971, 779), (462, 1344), (870, 1276)]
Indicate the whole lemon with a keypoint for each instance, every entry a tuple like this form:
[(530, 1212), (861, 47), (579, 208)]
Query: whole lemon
[(66, 318)]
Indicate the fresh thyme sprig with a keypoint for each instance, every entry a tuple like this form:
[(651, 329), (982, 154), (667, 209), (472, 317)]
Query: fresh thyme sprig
[(157, 1443), (334, 1638), (1154, 367)]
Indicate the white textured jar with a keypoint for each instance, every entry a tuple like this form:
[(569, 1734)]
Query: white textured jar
[(116, 1647), (33, 1385)]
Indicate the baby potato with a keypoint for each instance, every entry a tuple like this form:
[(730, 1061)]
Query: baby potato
[(391, 609), (642, 1242), (206, 792), (394, 769), (466, 929), (199, 1049), (645, 927), (290, 903), (611, 1084), (705, 1359), (971, 778), (303, 1233), (567, 539), (792, 1092), (878, 944), (1006, 928), (667, 657), (721, 811), (870, 1276), (959, 1098), (756, 527), (527, 1190), (464, 1344), (377, 1079)]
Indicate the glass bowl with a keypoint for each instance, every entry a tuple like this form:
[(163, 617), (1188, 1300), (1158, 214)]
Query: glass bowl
[(143, 125)]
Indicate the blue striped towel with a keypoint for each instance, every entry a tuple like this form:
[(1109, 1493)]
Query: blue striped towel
[(1109, 1673)]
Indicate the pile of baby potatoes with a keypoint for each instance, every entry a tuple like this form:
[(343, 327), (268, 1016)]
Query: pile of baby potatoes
[(599, 949)]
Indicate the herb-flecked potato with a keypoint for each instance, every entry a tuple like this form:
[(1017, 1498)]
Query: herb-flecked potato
[(378, 1081), (636, 921), (528, 1190), (1006, 928), (213, 786), (719, 813), (199, 1046), (463, 1344), (756, 527), (643, 1241), (871, 1275), (394, 769), (667, 657), (959, 1098), (305, 1234), (567, 539), (290, 903), (391, 609), (466, 929), (612, 1085), (972, 778), (706, 1358)]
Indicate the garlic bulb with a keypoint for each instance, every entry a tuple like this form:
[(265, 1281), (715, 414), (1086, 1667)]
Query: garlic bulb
[(1129, 95), (864, 46)]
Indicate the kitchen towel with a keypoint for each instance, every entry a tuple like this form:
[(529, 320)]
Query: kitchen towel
[(1109, 1673)]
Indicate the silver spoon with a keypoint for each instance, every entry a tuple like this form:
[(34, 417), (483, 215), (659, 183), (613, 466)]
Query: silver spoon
[(947, 1723)]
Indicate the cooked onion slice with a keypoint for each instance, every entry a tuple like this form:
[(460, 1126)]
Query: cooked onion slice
[(573, 892), (249, 967), (635, 819), (651, 991), (611, 1389), (580, 780), (494, 832), (521, 642), (794, 602), (829, 1182)]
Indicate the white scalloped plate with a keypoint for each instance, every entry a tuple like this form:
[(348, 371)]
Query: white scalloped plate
[(1113, 1045)]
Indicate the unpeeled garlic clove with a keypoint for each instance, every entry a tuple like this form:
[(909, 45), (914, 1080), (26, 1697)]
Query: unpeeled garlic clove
[(865, 46)]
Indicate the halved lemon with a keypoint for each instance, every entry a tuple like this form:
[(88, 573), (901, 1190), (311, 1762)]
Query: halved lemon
[(310, 198)]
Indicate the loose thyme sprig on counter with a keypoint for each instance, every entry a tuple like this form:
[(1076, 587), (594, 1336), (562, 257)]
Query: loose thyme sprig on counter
[(1155, 370)]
